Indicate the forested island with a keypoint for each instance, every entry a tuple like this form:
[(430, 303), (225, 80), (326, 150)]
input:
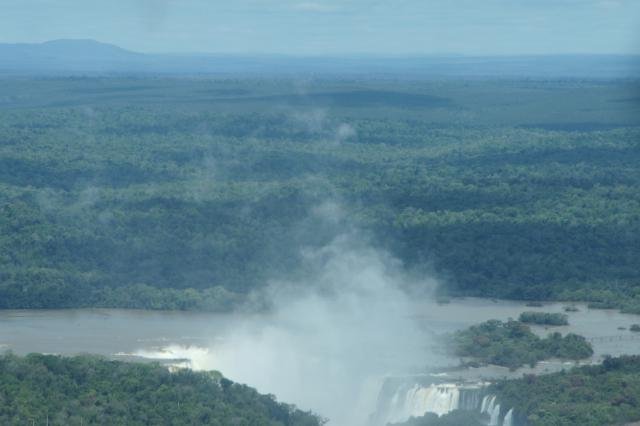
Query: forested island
[(188, 194), (512, 344), (544, 318), (91, 390)]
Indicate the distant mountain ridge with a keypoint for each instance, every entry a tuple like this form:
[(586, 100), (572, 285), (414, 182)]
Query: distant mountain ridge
[(83, 46), (86, 56), (65, 48), (65, 54)]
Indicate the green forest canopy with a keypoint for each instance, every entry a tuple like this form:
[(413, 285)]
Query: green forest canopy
[(187, 194), (91, 390)]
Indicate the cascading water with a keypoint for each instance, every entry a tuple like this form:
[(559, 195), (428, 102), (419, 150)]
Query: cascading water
[(438, 399), (417, 400), (470, 397), (508, 418), (485, 403), (401, 399), (494, 419), (490, 407)]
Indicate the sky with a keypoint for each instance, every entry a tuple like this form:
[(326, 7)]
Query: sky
[(333, 27)]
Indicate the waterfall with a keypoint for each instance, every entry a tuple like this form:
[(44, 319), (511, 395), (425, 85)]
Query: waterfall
[(418, 400), (495, 416), (470, 398), (508, 418), (490, 407), (402, 398), (485, 403), (488, 403)]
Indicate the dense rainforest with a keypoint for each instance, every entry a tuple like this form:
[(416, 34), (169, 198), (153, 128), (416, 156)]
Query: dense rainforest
[(188, 193), (91, 390)]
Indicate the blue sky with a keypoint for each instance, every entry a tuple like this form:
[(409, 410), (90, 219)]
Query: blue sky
[(319, 27)]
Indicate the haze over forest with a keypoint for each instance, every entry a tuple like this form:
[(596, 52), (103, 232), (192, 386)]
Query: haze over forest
[(87, 56)]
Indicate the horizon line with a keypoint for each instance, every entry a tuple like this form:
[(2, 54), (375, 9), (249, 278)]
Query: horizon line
[(301, 55)]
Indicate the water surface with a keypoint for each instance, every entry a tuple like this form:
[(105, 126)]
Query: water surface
[(112, 331)]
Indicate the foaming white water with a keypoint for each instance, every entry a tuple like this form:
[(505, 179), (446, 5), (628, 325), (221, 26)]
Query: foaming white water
[(401, 399), (193, 357), (437, 399), (415, 400)]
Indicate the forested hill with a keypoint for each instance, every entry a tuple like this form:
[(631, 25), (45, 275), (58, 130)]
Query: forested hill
[(93, 391), (189, 193)]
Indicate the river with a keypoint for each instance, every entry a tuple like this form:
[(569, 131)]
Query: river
[(114, 331), (286, 360)]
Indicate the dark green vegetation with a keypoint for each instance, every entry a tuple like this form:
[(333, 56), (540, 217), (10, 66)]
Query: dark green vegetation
[(607, 394), (189, 193), (92, 391), (454, 418), (544, 318), (513, 344)]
